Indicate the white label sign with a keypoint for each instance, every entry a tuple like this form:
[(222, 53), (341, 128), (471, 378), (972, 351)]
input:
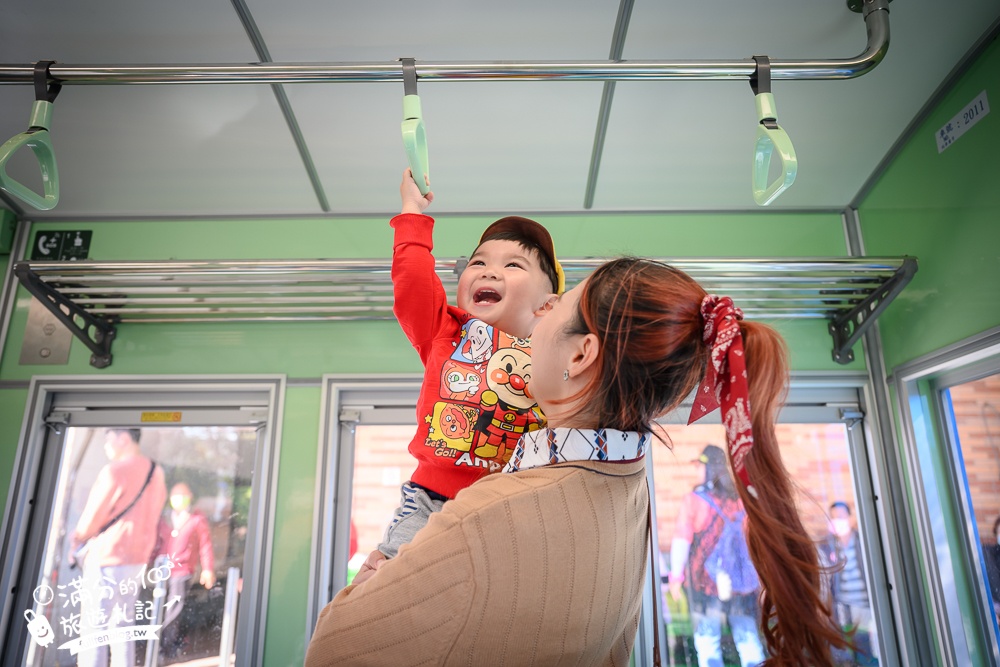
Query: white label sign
[(962, 121)]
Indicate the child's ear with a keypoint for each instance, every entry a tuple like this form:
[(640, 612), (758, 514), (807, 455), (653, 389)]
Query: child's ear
[(547, 306)]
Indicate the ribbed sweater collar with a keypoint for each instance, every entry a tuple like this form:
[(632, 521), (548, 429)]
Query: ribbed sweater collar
[(558, 445)]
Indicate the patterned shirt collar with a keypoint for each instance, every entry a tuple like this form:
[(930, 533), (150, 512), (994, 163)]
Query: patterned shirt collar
[(558, 445)]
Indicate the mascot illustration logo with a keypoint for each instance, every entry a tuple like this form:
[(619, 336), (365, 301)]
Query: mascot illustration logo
[(460, 382), (476, 342), (508, 409), (451, 426)]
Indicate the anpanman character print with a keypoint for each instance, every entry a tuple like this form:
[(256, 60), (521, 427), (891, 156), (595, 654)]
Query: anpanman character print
[(485, 402)]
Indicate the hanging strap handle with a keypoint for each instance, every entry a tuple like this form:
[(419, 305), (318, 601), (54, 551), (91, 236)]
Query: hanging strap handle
[(37, 138), (414, 134), (770, 138)]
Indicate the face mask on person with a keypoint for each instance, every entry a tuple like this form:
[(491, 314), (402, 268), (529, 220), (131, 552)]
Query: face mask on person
[(180, 503), (840, 527)]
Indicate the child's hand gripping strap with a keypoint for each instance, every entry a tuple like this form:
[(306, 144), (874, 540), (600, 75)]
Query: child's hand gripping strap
[(770, 137), (36, 137), (414, 136)]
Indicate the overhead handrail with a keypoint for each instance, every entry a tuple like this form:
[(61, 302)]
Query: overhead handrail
[(770, 139), (37, 138), (414, 134), (876, 17)]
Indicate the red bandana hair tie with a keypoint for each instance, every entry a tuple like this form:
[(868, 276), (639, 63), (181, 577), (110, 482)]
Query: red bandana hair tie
[(725, 380)]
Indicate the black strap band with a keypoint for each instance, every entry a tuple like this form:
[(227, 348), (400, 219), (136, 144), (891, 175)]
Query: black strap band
[(760, 80), (409, 76), (43, 90)]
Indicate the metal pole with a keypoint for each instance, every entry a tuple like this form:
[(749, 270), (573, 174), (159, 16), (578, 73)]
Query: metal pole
[(228, 637), (876, 22)]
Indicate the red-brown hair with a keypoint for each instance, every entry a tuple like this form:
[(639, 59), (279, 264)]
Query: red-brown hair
[(651, 356)]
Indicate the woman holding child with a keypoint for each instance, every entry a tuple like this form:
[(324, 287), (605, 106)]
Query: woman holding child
[(545, 564)]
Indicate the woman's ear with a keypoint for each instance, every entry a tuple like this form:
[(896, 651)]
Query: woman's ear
[(583, 354)]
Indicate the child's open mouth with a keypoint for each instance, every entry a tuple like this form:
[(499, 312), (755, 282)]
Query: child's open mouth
[(486, 295)]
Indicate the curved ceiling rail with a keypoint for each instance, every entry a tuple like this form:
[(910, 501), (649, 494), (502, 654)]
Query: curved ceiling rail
[(92, 298), (875, 12)]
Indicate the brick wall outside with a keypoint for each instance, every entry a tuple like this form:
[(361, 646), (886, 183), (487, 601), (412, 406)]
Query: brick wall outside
[(815, 454), (977, 418)]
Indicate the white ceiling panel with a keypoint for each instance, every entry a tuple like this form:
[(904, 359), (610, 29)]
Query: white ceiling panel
[(226, 149), (166, 150), (122, 32), (701, 156), (492, 146), (316, 30)]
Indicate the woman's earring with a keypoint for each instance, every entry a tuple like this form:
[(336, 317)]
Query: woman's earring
[(566, 375)]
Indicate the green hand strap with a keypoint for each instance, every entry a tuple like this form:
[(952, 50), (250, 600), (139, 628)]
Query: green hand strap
[(36, 137), (414, 135), (770, 138)]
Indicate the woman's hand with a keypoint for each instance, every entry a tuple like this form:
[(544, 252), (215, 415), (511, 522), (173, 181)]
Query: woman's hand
[(413, 201), (370, 567)]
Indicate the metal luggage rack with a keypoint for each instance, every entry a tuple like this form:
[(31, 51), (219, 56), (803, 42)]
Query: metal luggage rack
[(92, 298)]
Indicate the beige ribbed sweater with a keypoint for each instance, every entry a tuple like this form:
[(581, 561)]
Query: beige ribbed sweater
[(540, 567)]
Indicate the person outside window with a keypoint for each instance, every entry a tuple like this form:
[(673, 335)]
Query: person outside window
[(115, 538), (842, 552), (185, 539), (712, 602)]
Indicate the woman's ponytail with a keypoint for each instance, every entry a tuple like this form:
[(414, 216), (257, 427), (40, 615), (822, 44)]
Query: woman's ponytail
[(796, 621)]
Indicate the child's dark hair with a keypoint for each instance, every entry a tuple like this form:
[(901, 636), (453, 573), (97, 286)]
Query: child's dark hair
[(651, 356), (530, 246)]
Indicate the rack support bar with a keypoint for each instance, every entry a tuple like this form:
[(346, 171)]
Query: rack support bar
[(848, 328), (97, 333)]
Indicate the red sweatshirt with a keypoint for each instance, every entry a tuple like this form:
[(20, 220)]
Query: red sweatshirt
[(188, 544), (469, 414)]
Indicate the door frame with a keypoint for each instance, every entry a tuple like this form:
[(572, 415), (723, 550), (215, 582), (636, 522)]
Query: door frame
[(119, 393), (947, 562)]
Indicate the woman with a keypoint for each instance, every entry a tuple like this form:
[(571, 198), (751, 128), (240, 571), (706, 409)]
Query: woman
[(545, 565)]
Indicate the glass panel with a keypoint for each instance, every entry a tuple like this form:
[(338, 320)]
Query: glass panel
[(382, 463), (150, 584), (976, 411), (701, 626)]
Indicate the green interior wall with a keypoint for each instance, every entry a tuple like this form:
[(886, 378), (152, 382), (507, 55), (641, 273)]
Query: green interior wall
[(310, 349), (943, 208), (291, 546)]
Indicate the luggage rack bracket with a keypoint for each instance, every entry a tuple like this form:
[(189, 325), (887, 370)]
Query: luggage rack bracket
[(93, 298)]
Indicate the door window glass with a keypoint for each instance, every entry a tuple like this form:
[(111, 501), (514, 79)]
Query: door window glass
[(141, 563), (713, 619), (382, 463), (975, 408)]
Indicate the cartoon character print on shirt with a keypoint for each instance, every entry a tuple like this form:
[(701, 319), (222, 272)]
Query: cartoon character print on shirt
[(483, 405), (462, 382), (451, 427), (476, 342), (508, 410)]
